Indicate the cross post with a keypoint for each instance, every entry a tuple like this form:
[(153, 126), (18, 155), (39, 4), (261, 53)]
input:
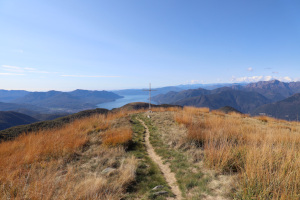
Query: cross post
[(149, 95)]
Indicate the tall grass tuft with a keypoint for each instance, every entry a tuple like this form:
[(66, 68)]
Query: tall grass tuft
[(119, 136)]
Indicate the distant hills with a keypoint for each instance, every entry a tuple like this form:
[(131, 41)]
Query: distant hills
[(178, 88), (51, 104), (264, 97), (156, 91), (95, 97), (67, 101), (272, 98), (10, 118), (10, 95), (240, 100), (288, 109), (273, 90)]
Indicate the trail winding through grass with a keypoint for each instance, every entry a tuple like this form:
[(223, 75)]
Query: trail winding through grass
[(169, 176)]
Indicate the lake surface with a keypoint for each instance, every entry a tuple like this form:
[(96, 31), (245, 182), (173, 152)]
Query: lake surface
[(123, 101)]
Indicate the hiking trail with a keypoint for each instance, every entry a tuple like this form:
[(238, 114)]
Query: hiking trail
[(165, 169)]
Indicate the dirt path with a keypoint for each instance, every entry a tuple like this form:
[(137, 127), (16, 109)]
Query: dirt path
[(169, 176)]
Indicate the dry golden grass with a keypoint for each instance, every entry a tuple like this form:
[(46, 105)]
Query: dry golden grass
[(165, 109), (264, 118), (67, 163), (120, 136), (217, 112), (265, 152)]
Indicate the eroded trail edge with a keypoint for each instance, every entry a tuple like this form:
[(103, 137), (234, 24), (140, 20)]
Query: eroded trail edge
[(169, 176)]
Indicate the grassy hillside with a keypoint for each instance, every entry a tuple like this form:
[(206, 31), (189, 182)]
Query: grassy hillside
[(13, 132), (103, 156), (263, 152), (85, 159)]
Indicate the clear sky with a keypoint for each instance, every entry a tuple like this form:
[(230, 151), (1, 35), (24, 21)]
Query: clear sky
[(109, 44)]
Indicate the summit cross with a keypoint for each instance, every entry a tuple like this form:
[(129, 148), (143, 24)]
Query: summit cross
[(149, 95)]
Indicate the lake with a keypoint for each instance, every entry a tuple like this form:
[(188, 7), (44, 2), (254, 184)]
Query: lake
[(123, 101)]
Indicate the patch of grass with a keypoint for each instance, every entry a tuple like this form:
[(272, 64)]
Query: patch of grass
[(148, 174), (189, 176), (120, 136), (263, 151)]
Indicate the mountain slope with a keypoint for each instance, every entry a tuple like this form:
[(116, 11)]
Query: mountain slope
[(55, 100), (10, 118), (288, 109), (22, 108), (156, 91), (240, 100), (95, 97), (171, 97), (273, 90)]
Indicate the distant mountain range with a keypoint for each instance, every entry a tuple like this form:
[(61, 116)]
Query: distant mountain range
[(67, 101), (155, 91), (273, 98), (240, 100), (52, 104), (10, 95), (178, 88), (273, 90)]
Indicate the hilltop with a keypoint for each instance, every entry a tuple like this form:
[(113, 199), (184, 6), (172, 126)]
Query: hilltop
[(121, 154), (228, 109)]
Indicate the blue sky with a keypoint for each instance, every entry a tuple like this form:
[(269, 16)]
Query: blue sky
[(104, 45)]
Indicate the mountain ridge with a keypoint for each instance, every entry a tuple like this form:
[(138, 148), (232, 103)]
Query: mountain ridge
[(288, 109)]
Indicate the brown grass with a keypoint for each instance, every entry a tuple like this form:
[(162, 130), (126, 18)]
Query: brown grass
[(264, 118), (120, 136), (165, 109), (265, 152), (67, 163)]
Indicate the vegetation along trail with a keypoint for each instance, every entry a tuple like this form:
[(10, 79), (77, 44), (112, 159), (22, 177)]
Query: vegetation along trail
[(169, 176)]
